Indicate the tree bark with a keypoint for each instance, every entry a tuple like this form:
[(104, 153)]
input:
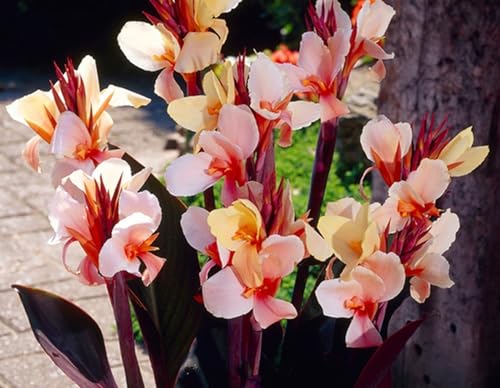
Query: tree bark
[(448, 62)]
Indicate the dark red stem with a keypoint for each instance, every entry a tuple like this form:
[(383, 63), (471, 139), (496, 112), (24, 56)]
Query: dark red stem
[(234, 340), (118, 294)]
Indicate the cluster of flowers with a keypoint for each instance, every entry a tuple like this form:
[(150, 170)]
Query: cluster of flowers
[(96, 201), (255, 240), (405, 237)]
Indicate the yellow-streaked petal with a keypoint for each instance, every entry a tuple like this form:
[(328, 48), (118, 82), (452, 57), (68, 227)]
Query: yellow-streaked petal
[(124, 97), (200, 50), (31, 110), (220, 28), (328, 225), (227, 80), (191, 113), (88, 71), (144, 45), (246, 263), (371, 241), (317, 246), (457, 146), (216, 95), (471, 159)]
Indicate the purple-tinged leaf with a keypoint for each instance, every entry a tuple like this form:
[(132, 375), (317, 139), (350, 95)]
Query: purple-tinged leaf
[(69, 336), (170, 299), (375, 372)]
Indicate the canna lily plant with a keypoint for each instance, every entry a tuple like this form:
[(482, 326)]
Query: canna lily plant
[(136, 238)]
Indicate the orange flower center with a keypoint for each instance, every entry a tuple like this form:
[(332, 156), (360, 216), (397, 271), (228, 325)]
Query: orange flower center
[(362, 306), (413, 209), (316, 83), (132, 250), (356, 247), (268, 288), (214, 109)]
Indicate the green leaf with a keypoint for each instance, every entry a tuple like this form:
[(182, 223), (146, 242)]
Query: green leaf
[(169, 300), (69, 336)]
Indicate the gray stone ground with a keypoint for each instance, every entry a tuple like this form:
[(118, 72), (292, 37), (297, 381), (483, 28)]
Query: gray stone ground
[(25, 257)]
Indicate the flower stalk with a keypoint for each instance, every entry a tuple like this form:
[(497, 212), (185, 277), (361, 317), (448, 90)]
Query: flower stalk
[(118, 294)]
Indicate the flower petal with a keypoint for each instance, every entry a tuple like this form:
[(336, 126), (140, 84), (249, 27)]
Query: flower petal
[(124, 97), (222, 295), (143, 44), (195, 228), (430, 179), (280, 254), (304, 113), (362, 333), (331, 107), (153, 264), (30, 110), (187, 175), (332, 294), (70, 133), (238, 125), (144, 202), (247, 265), (192, 113), (31, 154), (420, 289), (389, 268), (268, 310), (443, 232), (200, 49), (112, 259), (167, 87), (436, 270), (470, 160)]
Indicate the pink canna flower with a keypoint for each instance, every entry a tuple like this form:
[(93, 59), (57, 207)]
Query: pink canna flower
[(72, 118), (274, 103), (381, 278), (415, 197), (371, 24), (129, 246), (318, 69), (224, 154), (226, 296), (194, 224), (428, 266), (385, 144), (86, 209), (186, 38)]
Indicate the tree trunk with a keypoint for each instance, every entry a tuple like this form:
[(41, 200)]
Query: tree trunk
[(448, 62)]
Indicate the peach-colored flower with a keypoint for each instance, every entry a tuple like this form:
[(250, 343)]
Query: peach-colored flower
[(459, 155), (274, 103), (428, 266), (318, 69), (130, 245), (72, 118), (87, 209), (385, 144), (352, 239), (380, 279), (198, 113), (224, 154), (187, 38), (414, 198), (228, 295)]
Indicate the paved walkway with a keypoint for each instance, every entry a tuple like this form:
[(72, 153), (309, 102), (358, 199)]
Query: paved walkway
[(25, 257)]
